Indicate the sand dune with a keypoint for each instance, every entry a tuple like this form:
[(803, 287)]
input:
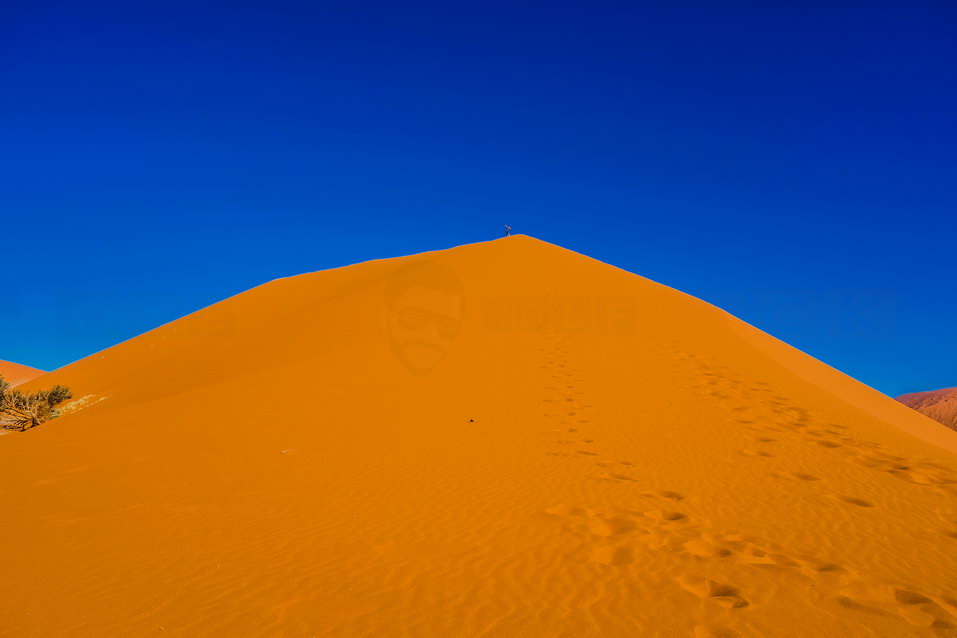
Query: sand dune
[(940, 405), (16, 374), (501, 439)]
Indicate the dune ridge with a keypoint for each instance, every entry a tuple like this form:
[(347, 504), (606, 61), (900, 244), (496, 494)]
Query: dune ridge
[(499, 439), (16, 373)]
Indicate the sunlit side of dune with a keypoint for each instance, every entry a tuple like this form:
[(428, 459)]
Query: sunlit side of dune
[(15, 373), (500, 439)]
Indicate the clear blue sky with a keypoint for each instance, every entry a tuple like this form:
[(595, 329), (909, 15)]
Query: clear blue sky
[(793, 163)]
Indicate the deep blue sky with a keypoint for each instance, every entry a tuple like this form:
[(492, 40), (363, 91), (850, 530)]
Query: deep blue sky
[(793, 163)]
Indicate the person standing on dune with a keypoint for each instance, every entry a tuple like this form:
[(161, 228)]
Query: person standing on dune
[(508, 230)]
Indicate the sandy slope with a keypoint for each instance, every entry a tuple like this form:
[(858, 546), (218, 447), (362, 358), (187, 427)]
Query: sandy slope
[(595, 455), (940, 405), (16, 374)]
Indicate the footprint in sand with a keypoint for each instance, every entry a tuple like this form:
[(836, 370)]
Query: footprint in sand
[(615, 556), (912, 606), (859, 502), (867, 453), (666, 516), (714, 631), (675, 496), (704, 549), (717, 592), (613, 526), (618, 478)]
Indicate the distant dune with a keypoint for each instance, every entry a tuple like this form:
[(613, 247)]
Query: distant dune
[(505, 439), (940, 405), (16, 374)]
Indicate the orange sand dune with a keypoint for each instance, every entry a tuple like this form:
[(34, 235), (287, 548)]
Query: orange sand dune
[(501, 439), (940, 405), (15, 374)]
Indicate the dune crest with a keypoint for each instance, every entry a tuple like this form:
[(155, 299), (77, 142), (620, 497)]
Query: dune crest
[(499, 439), (16, 374)]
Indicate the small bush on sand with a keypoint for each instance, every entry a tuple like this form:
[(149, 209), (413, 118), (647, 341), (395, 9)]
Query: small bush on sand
[(19, 411)]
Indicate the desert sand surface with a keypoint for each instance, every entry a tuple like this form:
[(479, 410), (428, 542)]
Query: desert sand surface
[(500, 439), (15, 374), (940, 405)]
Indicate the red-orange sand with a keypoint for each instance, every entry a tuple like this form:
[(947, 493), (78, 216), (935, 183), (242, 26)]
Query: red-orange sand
[(501, 439), (940, 405), (15, 374)]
